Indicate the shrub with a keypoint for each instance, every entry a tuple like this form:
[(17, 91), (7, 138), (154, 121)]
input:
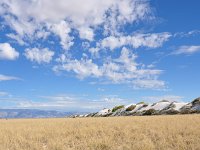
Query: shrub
[(150, 112), (140, 103), (117, 107), (145, 105), (153, 104), (164, 100), (130, 108), (172, 112), (196, 101)]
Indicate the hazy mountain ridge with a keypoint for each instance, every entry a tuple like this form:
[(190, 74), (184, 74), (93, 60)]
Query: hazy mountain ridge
[(163, 107), (32, 113)]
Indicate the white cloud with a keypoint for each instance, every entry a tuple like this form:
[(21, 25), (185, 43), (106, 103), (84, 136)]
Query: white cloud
[(7, 78), (28, 18), (86, 33), (82, 68), (123, 69), (16, 38), (100, 22), (62, 29), (186, 50), (69, 103), (7, 52), (94, 51), (51, 105), (187, 34), (153, 40), (101, 89), (163, 97), (39, 55), (113, 99), (59, 98), (149, 84)]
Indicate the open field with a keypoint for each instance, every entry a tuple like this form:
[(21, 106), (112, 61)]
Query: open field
[(180, 132)]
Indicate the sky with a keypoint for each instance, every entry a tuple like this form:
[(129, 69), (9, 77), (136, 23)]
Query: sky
[(75, 56)]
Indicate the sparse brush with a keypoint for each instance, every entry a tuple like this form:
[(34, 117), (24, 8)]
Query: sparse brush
[(117, 107), (130, 108), (140, 103), (149, 112)]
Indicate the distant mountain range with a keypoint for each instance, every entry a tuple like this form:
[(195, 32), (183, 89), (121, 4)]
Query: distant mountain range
[(32, 113), (163, 107)]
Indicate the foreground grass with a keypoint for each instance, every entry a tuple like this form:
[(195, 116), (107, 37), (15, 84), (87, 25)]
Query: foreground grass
[(114, 133)]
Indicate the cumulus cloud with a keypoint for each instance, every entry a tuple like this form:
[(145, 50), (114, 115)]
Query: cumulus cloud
[(153, 40), (123, 69), (94, 52), (62, 29), (99, 23), (82, 68), (27, 18), (186, 50), (7, 78), (16, 38), (86, 33), (39, 55), (7, 52)]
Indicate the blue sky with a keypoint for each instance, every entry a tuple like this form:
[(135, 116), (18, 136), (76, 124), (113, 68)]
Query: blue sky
[(83, 57)]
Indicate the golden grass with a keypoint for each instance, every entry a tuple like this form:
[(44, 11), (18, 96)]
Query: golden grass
[(181, 132)]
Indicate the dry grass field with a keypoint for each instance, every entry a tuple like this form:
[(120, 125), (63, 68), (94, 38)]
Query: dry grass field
[(181, 132)]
